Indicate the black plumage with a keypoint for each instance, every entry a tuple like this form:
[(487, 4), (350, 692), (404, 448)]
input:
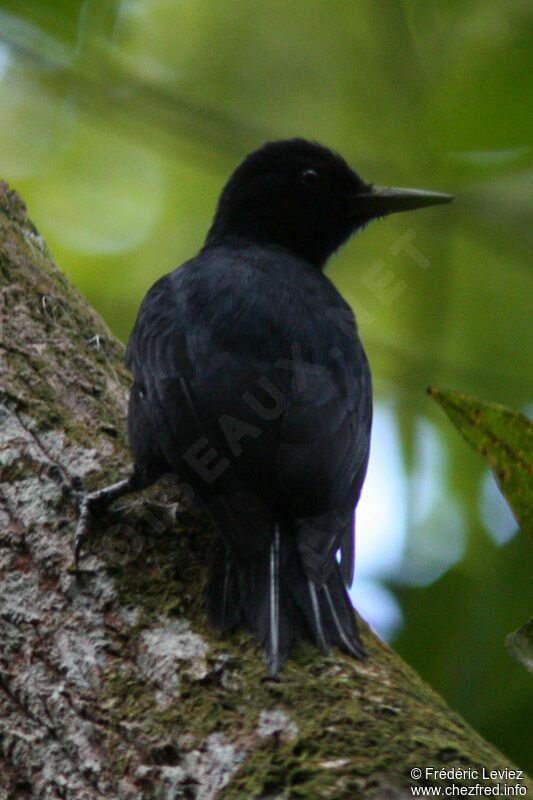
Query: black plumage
[(251, 383)]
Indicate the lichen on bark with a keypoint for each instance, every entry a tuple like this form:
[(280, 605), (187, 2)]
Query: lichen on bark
[(112, 685)]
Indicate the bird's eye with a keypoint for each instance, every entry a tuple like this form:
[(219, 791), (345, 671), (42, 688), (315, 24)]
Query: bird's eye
[(310, 178)]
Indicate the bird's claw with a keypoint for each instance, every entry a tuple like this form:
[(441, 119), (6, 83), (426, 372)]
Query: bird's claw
[(74, 490), (83, 528)]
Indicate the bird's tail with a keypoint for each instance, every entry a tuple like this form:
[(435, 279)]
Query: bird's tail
[(276, 601)]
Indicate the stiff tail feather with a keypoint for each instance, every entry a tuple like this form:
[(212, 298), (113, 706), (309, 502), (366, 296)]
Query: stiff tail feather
[(274, 597), (342, 623), (328, 613), (276, 601), (223, 594)]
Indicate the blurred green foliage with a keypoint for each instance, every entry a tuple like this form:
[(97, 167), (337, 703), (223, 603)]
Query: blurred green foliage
[(120, 121)]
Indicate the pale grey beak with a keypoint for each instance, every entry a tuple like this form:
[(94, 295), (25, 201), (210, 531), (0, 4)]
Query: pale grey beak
[(381, 200)]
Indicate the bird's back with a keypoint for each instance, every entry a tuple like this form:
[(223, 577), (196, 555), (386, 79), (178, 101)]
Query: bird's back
[(266, 351), (252, 385)]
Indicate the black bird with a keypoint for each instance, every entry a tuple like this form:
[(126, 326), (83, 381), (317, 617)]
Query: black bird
[(252, 385)]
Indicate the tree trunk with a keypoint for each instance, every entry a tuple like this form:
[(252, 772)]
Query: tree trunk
[(112, 685)]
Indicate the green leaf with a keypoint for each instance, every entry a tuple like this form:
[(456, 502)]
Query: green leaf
[(505, 438), (520, 645)]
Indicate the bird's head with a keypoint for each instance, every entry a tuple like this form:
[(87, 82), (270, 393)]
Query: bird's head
[(305, 197)]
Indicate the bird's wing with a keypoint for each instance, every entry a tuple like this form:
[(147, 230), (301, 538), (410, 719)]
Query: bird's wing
[(182, 386), (162, 424)]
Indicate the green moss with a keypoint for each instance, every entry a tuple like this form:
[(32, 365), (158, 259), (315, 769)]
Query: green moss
[(343, 712), (19, 469)]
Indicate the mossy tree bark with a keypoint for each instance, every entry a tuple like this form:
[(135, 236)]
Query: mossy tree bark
[(111, 683)]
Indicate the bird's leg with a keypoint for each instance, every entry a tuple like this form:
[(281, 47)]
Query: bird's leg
[(90, 503)]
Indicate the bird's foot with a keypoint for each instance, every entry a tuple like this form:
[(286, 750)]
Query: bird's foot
[(92, 503)]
